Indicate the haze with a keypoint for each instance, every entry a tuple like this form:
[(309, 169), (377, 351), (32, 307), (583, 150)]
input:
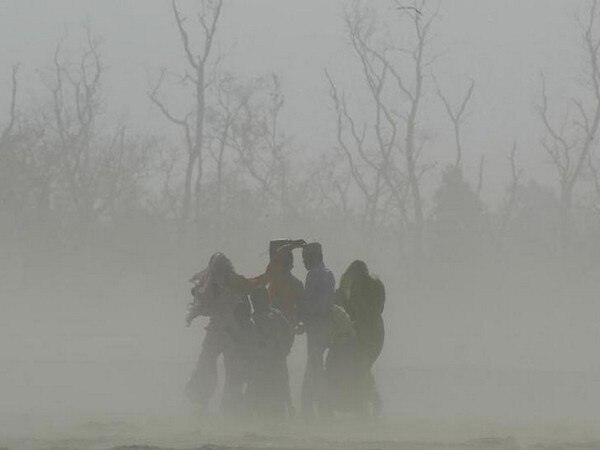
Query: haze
[(492, 288)]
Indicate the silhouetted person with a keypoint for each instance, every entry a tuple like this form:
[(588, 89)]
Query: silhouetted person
[(217, 291), (314, 312), (285, 290), (345, 370), (363, 297), (241, 361), (269, 388)]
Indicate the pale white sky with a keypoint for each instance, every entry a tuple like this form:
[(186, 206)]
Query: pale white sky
[(502, 44)]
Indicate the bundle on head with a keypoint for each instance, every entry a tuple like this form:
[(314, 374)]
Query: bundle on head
[(275, 245)]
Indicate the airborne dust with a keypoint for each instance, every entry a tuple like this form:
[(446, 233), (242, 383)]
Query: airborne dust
[(451, 146)]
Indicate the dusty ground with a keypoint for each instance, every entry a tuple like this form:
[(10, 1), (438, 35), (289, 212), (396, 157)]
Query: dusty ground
[(88, 376), (193, 431), (66, 405)]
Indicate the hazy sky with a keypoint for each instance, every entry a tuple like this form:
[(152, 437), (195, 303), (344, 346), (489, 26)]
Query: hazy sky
[(502, 45)]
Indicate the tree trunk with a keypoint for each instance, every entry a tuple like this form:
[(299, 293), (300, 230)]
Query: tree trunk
[(413, 181), (199, 139), (187, 193), (566, 211)]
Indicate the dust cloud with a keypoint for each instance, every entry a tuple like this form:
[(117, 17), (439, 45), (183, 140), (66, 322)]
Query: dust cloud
[(449, 145)]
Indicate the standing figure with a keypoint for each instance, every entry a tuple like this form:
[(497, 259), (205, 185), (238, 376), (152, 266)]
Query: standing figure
[(363, 297), (269, 388), (241, 365), (315, 313), (285, 292), (345, 369), (217, 292)]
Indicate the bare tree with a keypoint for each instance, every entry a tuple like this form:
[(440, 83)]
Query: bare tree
[(366, 170), (29, 166), (516, 174), (165, 204), (333, 189), (261, 145), (595, 175), (232, 95), (375, 167), (412, 87), (480, 173), (12, 117), (97, 169), (395, 78), (192, 123), (376, 72), (456, 116), (569, 147), (76, 104), (275, 141), (6, 163)]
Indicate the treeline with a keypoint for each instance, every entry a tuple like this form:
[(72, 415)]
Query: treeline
[(74, 181)]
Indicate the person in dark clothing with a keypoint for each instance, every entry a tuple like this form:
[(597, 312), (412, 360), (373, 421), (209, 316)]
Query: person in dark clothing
[(345, 369), (217, 292), (269, 388), (362, 295), (241, 363), (285, 291), (315, 315)]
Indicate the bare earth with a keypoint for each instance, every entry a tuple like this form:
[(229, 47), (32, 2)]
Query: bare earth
[(195, 431)]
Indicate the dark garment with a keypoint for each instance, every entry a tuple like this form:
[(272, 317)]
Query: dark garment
[(363, 298), (371, 336), (285, 293), (318, 336), (319, 290), (269, 388), (237, 345), (315, 311), (203, 382), (267, 391), (217, 291), (347, 376), (346, 373), (218, 304), (240, 370)]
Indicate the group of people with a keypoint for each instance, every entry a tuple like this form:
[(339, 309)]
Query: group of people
[(253, 322)]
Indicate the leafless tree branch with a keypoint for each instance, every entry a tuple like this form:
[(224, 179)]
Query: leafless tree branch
[(12, 118)]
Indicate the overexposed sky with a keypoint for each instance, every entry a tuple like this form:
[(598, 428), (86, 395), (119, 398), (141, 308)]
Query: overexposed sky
[(502, 44)]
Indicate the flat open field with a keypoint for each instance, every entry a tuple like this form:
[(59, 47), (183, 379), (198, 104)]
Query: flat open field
[(388, 433), (94, 405)]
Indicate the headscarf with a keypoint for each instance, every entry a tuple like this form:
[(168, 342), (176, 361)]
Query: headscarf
[(215, 275)]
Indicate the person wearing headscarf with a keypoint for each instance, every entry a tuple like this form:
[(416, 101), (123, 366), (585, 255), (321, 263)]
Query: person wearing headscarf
[(217, 291), (362, 295)]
